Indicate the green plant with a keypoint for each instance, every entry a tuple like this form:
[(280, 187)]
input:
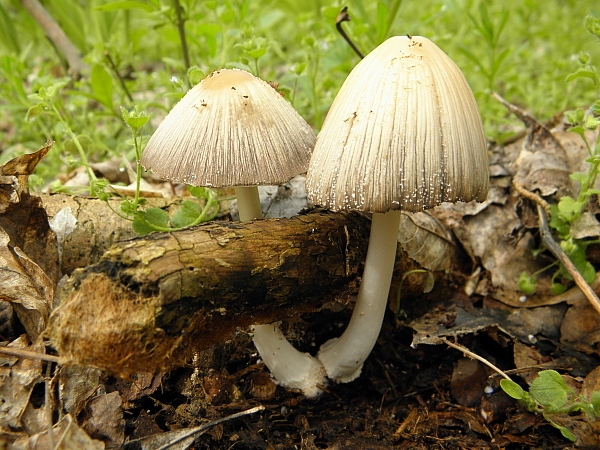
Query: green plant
[(568, 212), (549, 395)]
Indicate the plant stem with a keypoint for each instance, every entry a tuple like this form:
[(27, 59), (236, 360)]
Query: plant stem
[(113, 66), (343, 16), (181, 29), (84, 160)]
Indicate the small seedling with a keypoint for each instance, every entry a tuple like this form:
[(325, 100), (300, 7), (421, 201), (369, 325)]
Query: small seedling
[(549, 395)]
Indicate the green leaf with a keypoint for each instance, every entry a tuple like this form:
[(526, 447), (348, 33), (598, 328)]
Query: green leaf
[(195, 75), (51, 91), (564, 431), (135, 118), (512, 389), (141, 227), (575, 117), (186, 215), (592, 25), (131, 4), (36, 110), (526, 283), (569, 208), (558, 288), (257, 53), (156, 216), (582, 72), (199, 191), (550, 390), (102, 85), (127, 208)]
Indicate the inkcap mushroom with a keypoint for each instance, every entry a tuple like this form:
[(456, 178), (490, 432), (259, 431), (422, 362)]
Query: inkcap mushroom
[(403, 133), (234, 129)]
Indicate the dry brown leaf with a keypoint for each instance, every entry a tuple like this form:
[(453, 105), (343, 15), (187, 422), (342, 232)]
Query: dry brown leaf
[(591, 384), (15, 389), (580, 328), (14, 175), (26, 286), (543, 163), (427, 241), (67, 432), (77, 384), (104, 419)]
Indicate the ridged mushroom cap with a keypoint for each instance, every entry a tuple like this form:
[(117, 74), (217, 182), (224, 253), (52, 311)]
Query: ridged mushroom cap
[(231, 129), (404, 132)]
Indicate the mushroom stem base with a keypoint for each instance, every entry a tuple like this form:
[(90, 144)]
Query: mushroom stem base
[(343, 357), (290, 367)]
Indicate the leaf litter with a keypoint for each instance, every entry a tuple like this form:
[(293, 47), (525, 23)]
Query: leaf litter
[(414, 392)]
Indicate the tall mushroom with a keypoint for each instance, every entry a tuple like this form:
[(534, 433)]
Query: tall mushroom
[(403, 133), (234, 129)]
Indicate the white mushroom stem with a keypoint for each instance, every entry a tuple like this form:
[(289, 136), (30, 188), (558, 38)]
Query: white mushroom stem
[(291, 368), (248, 202), (343, 357)]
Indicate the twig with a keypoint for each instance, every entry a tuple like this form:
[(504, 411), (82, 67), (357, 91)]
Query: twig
[(343, 16), (29, 354), (470, 354), (531, 196), (56, 35), (543, 208), (558, 253), (203, 428)]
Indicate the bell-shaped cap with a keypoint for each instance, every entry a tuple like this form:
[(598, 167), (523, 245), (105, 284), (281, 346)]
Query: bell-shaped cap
[(231, 129), (404, 132)]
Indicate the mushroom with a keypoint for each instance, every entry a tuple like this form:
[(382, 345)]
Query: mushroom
[(403, 133), (234, 129)]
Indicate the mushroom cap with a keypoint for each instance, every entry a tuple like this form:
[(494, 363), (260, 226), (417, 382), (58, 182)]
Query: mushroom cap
[(404, 132), (231, 129)]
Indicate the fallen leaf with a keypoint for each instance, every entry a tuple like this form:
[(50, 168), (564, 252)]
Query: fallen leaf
[(67, 432), (104, 419), (26, 286), (427, 241), (581, 328)]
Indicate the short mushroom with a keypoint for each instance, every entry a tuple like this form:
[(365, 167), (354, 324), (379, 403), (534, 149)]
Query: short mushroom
[(403, 133), (234, 129)]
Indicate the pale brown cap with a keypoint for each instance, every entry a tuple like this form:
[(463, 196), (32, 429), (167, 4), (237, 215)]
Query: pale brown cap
[(404, 132), (231, 129)]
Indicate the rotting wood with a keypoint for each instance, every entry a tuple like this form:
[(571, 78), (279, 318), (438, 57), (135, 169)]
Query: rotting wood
[(98, 227), (151, 302)]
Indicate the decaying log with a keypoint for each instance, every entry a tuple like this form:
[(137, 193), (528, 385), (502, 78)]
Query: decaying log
[(98, 227), (150, 302)]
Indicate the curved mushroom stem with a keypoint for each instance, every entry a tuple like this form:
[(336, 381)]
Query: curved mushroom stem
[(248, 202), (343, 357), (290, 367)]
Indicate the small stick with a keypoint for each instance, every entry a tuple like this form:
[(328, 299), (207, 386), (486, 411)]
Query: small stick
[(470, 354), (559, 254), (201, 429), (543, 208), (343, 16), (29, 354)]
